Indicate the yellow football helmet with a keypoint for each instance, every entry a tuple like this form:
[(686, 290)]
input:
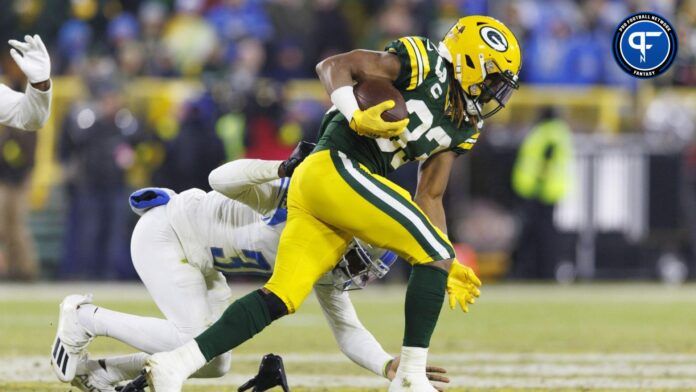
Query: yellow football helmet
[(486, 60)]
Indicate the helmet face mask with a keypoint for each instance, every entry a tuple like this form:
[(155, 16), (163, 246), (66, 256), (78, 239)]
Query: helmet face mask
[(495, 92), (361, 264), (486, 60)]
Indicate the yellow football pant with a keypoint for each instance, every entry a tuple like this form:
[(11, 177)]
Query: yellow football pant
[(333, 199)]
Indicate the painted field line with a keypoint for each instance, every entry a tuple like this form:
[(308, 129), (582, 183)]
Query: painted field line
[(604, 375), (575, 370), (479, 357), (579, 382), (538, 383), (567, 357)]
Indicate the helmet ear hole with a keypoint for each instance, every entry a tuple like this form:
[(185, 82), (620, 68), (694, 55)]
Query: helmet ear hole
[(469, 62)]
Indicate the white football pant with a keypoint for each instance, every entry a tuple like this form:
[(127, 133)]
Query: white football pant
[(189, 300)]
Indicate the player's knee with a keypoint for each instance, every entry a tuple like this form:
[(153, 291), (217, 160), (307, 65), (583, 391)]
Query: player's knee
[(447, 263), (442, 264), (276, 307)]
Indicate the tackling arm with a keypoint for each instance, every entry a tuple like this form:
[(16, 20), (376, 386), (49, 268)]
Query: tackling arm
[(250, 181), (355, 341)]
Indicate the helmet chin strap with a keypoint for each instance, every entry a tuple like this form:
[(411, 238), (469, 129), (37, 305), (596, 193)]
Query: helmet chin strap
[(473, 110), (472, 107)]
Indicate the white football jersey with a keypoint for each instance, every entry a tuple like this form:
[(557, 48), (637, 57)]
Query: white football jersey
[(228, 235), (240, 239)]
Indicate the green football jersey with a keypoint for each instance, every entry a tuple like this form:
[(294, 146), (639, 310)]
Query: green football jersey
[(423, 81)]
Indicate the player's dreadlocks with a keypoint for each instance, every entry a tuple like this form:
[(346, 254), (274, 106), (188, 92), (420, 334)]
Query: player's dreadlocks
[(455, 106), (454, 101)]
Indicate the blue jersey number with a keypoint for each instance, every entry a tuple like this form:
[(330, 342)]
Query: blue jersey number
[(251, 262)]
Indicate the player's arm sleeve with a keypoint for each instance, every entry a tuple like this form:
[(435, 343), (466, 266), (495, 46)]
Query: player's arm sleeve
[(415, 62), (250, 181), (355, 341), (28, 111)]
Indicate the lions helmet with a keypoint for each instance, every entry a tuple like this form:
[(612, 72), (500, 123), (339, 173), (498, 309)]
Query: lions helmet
[(486, 60), (360, 264)]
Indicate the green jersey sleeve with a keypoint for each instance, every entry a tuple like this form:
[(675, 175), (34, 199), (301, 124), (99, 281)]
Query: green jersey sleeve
[(415, 61), (467, 144)]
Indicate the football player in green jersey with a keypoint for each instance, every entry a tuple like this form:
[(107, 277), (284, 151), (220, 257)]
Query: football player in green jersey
[(340, 192)]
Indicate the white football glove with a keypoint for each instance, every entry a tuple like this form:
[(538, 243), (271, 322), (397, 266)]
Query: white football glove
[(34, 60)]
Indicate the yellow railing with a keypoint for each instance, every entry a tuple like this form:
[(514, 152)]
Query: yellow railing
[(595, 109)]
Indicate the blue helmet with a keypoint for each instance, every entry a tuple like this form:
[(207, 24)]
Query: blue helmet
[(360, 264)]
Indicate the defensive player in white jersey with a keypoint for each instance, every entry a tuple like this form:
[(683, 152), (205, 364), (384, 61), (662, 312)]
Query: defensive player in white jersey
[(179, 247), (29, 110)]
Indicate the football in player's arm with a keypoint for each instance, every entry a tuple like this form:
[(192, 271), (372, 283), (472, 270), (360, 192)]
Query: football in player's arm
[(28, 110)]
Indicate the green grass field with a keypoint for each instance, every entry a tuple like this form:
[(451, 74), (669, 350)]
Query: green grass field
[(530, 337)]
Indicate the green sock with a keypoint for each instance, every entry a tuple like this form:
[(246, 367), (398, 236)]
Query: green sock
[(424, 297), (242, 320)]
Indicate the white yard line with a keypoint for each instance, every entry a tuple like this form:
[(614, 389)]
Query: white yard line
[(567, 357), (575, 370), (335, 380), (481, 370), (579, 382)]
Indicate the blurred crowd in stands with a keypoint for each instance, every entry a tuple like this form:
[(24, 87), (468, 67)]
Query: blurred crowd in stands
[(564, 41), (244, 52)]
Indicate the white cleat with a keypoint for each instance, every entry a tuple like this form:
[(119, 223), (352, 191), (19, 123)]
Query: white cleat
[(91, 377), (68, 348), (164, 373), (411, 383)]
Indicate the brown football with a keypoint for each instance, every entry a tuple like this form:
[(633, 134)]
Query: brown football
[(372, 91)]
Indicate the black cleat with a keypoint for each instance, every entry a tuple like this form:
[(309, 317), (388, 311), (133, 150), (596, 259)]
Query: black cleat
[(271, 374), (137, 385)]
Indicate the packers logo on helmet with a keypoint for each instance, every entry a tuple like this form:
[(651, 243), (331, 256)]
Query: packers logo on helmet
[(486, 60), (494, 38)]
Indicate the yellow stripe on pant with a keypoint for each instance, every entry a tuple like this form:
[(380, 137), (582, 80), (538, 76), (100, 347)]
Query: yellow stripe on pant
[(330, 201)]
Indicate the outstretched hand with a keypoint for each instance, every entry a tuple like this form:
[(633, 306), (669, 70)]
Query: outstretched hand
[(32, 58), (462, 286), (434, 373)]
